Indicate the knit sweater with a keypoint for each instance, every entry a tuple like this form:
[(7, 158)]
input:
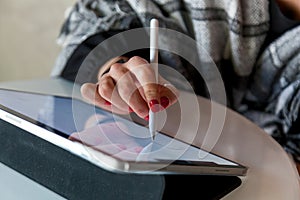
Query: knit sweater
[(260, 77)]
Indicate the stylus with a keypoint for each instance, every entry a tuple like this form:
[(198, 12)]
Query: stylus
[(154, 64)]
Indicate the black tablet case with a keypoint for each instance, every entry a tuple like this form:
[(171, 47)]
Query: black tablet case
[(75, 178)]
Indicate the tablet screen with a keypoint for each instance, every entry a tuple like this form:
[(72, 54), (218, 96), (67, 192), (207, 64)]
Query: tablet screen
[(84, 123)]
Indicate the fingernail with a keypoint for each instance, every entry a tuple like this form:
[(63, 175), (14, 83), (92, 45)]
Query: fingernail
[(122, 147), (107, 103), (130, 109), (146, 118), (164, 102), (154, 105), (138, 149)]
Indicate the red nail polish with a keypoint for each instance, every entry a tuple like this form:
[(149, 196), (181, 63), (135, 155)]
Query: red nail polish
[(121, 146), (107, 103), (154, 105), (164, 102), (146, 118), (138, 149)]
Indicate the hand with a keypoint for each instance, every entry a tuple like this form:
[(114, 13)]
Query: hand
[(130, 87)]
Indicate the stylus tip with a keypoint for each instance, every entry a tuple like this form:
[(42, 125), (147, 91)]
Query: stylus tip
[(153, 136)]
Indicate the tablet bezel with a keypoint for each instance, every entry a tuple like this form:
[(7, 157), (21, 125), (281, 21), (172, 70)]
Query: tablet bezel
[(110, 162)]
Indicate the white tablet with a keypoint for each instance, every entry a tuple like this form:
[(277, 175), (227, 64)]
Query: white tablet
[(108, 141)]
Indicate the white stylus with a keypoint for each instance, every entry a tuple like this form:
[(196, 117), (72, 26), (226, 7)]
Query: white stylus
[(154, 64)]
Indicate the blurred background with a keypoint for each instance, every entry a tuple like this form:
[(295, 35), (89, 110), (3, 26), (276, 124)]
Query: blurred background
[(28, 33)]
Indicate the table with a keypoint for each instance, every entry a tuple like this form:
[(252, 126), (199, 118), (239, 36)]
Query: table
[(271, 174), (16, 186)]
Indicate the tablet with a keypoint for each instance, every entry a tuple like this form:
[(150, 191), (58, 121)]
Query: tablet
[(106, 140)]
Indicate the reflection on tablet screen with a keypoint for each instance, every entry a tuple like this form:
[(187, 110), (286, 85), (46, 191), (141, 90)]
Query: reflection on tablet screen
[(101, 130)]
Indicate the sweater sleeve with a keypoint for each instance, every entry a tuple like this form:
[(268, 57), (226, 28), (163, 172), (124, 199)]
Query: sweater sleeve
[(91, 22), (273, 98), (88, 23)]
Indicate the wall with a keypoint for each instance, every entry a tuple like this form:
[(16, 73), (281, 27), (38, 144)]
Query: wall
[(28, 32)]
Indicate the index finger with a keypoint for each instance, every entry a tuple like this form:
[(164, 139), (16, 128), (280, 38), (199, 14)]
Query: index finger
[(145, 76)]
